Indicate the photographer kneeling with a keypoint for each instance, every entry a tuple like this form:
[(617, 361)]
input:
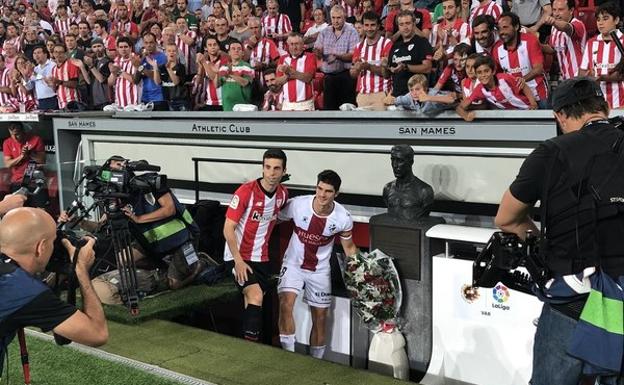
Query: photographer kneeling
[(579, 180), (163, 231), (27, 238)]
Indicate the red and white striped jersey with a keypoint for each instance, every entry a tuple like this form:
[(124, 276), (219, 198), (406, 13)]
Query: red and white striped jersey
[(67, 71), (17, 42), (468, 85), (62, 27), (264, 52), (460, 30), (272, 101), (569, 48), (126, 92), (277, 25), (369, 82), (599, 57), (188, 51), (312, 241), (350, 10), (506, 95), (213, 93), (489, 8), (296, 90), (199, 90), (256, 214), (125, 28), (5, 81), (450, 73), (521, 60)]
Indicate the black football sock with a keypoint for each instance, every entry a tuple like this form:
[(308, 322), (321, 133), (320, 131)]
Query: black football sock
[(252, 322)]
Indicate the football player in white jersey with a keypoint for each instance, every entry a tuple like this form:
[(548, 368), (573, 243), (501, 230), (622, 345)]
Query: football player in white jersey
[(317, 220)]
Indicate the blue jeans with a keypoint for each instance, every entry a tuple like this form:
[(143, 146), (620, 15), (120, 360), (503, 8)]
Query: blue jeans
[(48, 103), (551, 364)]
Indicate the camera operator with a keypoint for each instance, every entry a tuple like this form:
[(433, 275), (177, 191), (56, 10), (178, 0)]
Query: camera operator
[(553, 174), (163, 230), (27, 237)]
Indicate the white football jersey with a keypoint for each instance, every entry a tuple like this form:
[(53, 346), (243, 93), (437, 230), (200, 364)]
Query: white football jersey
[(313, 236)]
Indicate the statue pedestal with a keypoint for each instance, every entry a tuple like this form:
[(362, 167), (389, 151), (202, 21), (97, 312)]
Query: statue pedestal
[(406, 242)]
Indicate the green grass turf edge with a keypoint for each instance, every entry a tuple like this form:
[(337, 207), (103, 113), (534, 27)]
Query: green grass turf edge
[(55, 365), (228, 361)]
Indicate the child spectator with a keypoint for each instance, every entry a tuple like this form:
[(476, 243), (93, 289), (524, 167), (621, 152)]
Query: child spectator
[(500, 90), (420, 99), (455, 72), (470, 82), (601, 58)]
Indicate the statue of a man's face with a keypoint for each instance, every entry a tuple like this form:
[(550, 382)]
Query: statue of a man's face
[(402, 162)]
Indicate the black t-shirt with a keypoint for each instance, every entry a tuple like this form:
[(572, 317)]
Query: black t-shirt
[(411, 52), (562, 163), (225, 44), (293, 9), (84, 43), (170, 90)]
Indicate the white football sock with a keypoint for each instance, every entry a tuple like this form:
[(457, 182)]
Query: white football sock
[(288, 342), (317, 351)]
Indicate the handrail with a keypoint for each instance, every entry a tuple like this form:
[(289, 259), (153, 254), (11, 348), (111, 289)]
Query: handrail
[(196, 162)]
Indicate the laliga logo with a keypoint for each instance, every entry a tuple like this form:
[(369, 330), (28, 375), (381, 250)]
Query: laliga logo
[(500, 293)]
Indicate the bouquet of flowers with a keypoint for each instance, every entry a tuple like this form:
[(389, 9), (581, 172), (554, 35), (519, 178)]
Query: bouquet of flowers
[(374, 286)]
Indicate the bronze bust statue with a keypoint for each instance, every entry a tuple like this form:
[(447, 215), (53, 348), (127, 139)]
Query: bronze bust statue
[(407, 197)]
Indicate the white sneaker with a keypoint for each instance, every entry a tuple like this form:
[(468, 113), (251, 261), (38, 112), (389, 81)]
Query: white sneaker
[(112, 108)]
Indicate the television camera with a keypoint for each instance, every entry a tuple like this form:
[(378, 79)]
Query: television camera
[(111, 186), (515, 262)]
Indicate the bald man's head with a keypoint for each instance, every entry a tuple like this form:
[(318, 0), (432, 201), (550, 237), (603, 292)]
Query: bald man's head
[(27, 236)]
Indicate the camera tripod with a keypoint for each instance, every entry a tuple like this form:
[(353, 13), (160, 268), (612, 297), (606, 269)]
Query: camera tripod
[(116, 224)]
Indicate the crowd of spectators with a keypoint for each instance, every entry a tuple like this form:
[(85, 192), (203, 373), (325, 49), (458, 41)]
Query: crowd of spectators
[(303, 55)]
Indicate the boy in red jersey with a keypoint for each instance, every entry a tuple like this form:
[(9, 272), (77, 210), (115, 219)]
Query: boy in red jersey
[(249, 222), (499, 89)]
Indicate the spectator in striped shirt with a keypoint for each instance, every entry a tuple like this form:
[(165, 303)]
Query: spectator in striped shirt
[(455, 72), (295, 72), (276, 25), (469, 83), (567, 38), (261, 51), (485, 7), (185, 40), (520, 55), (5, 84), (501, 90), (274, 97), (209, 63), (124, 75), (451, 30), (601, 58), (235, 78), (62, 22), (65, 79), (368, 56)]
